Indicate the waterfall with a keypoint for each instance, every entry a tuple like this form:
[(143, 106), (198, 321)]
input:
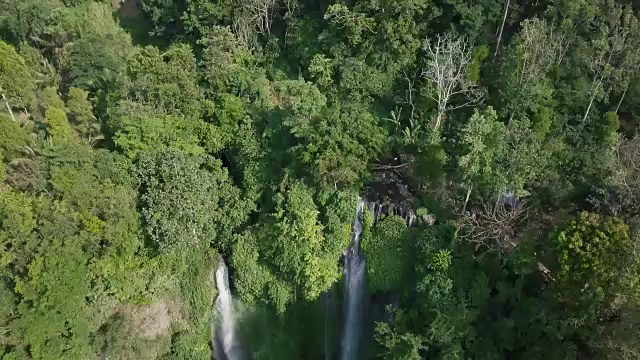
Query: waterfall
[(412, 218), (354, 286), (224, 342)]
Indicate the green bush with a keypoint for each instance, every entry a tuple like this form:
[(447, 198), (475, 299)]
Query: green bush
[(386, 251)]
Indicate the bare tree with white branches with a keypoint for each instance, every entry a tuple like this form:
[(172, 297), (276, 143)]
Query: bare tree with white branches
[(627, 170), (449, 57), (618, 41), (542, 48), (6, 102), (493, 226), (254, 17), (501, 29)]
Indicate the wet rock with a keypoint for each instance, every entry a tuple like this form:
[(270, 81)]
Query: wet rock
[(429, 219), (391, 209)]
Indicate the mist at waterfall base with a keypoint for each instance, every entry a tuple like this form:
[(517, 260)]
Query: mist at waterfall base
[(242, 332), (338, 325)]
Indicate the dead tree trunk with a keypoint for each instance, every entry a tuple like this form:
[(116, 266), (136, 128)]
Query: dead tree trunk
[(504, 19), (586, 114), (466, 200), (624, 93), (6, 102)]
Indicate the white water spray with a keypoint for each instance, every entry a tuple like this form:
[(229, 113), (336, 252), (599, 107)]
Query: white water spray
[(224, 341), (354, 286)]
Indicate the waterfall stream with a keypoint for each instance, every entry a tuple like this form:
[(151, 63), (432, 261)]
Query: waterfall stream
[(354, 273), (354, 287), (224, 342)]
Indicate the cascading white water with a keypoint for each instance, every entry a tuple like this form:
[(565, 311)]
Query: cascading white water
[(224, 342), (354, 286), (412, 218)]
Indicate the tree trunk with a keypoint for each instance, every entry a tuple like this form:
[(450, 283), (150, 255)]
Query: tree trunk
[(504, 19), (624, 93), (466, 200), (439, 119), (586, 114), (6, 102)]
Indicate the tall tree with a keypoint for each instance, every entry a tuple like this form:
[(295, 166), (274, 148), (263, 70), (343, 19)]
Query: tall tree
[(596, 266), (17, 86), (484, 138), (294, 242), (616, 39), (446, 68), (536, 49), (186, 200)]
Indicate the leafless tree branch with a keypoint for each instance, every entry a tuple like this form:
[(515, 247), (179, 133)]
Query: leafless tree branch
[(493, 227), (449, 57)]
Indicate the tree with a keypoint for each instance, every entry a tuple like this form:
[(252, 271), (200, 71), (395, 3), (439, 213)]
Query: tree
[(51, 99), (164, 16), (201, 16), (596, 262), (248, 153), (386, 252), (255, 283), (439, 319), (17, 85), (606, 130), (484, 138), (446, 67), (166, 81), (3, 169), (14, 140), (627, 171), (368, 45), (82, 111), (479, 20), (615, 41), (354, 24), (526, 159), (493, 227), (504, 18), (228, 65), (630, 62), (137, 132), (403, 346), (90, 71), (293, 241), (332, 144), (48, 311), (58, 125), (25, 19), (49, 320), (185, 200), (531, 55), (255, 17), (499, 159), (70, 258)]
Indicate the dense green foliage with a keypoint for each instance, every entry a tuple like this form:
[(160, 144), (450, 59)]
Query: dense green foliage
[(139, 140), (386, 251)]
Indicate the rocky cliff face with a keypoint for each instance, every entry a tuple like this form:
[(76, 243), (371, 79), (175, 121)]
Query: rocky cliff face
[(387, 194)]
